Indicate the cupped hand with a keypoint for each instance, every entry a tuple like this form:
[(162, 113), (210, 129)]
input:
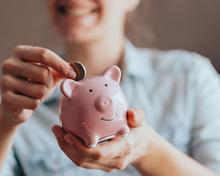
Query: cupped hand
[(113, 155), (28, 77)]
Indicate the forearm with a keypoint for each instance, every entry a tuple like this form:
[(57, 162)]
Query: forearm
[(7, 133), (165, 160)]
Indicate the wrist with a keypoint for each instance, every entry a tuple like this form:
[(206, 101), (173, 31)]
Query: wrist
[(6, 125), (7, 134), (164, 159), (154, 156)]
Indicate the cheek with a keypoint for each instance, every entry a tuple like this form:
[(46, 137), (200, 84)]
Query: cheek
[(112, 10)]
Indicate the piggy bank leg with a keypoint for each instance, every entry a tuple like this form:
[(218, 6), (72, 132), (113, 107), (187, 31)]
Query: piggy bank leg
[(124, 131), (92, 141)]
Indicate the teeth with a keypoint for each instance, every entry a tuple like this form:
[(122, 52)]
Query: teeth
[(79, 12), (65, 10)]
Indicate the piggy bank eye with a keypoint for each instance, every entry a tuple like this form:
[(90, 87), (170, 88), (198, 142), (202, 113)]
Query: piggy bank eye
[(90, 90), (106, 85)]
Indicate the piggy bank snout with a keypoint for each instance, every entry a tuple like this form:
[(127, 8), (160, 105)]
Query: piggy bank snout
[(103, 104)]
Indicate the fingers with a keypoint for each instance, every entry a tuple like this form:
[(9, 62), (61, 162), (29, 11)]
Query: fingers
[(115, 148), (106, 157), (46, 57), (73, 149), (30, 71), (21, 86), (135, 118), (113, 155), (59, 133), (60, 136), (13, 101), (80, 147)]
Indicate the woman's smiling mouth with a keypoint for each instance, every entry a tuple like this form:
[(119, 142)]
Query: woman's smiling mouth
[(74, 10)]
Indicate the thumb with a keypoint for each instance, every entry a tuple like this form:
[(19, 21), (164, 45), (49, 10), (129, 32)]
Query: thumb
[(135, 118), (56, 76)]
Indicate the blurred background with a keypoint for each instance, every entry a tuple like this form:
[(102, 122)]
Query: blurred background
[(165, 24)]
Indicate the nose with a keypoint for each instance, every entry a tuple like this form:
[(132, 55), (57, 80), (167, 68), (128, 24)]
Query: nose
[(103, 104)]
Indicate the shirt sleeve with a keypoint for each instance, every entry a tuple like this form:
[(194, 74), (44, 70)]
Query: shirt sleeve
[(10, 167), (205, 141)]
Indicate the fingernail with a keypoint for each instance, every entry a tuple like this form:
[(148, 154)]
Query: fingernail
[(68, 139), (56, 131), (72, 74)]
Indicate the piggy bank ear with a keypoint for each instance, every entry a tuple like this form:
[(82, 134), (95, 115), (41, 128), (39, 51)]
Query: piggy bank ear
[(67, 86), (113, 72)]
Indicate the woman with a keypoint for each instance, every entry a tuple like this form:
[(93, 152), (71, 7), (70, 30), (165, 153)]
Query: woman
[(178, 91)]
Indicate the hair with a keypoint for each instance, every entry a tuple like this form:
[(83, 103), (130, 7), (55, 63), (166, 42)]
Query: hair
[(138, 28)]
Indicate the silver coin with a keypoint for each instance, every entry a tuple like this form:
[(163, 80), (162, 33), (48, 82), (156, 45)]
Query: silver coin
[(80, 70)]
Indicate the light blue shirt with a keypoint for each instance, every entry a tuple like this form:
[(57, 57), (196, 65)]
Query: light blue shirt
[(179, 92)]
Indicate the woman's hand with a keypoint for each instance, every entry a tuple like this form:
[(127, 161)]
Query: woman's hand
[(142, 147), (27, 79), (113, 155)]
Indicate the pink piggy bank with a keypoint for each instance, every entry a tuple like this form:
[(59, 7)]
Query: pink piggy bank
[(94, 109)]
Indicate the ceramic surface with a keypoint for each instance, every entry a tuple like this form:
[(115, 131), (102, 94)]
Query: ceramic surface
[(94, 109)]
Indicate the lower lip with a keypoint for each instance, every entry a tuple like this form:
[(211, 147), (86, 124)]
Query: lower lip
[(83, 20)]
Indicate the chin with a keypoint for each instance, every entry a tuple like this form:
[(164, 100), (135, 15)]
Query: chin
[(80, 36)]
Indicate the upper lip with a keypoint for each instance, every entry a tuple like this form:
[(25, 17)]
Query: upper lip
[(78, 5)]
